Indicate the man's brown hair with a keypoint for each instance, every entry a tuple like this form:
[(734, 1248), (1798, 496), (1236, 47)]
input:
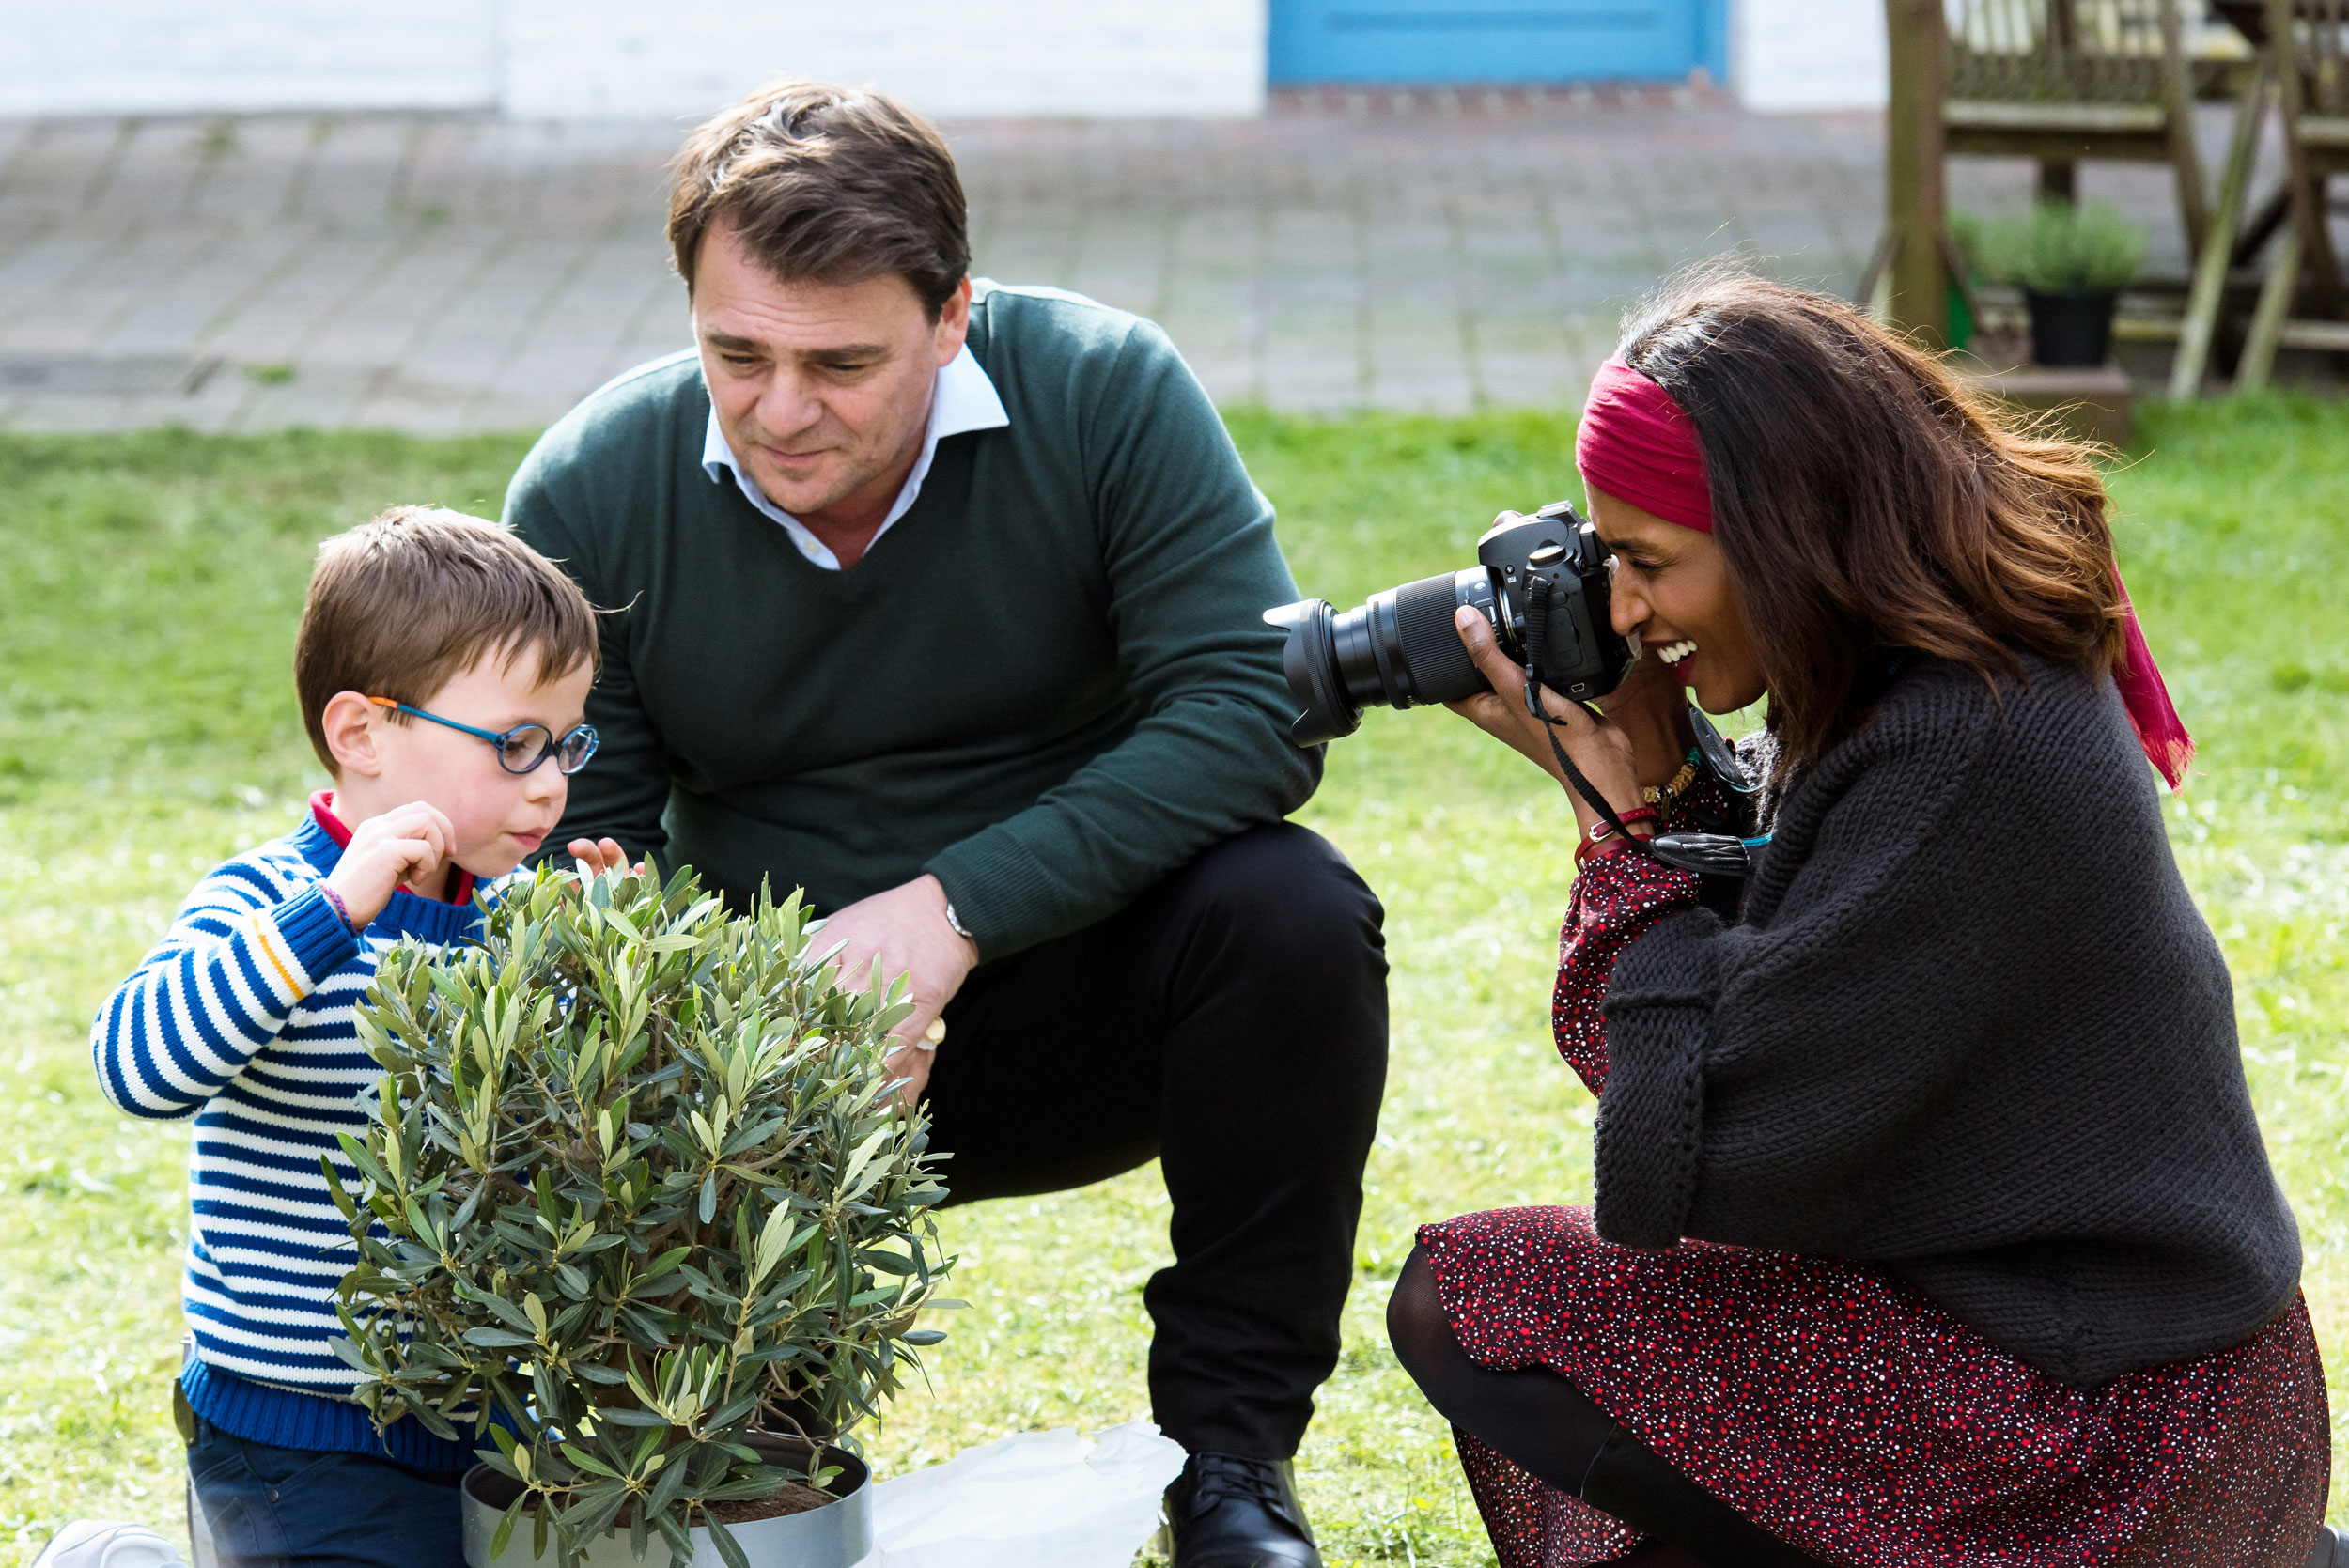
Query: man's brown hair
[(1866, 501), (831, 184), (401, 604)]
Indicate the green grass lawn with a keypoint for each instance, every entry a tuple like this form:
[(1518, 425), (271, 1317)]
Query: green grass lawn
[(148, 592)]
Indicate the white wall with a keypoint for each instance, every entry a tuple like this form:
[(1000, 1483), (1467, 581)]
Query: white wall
[(568, 60), (1808, 54), (167, 56), (592, 58), (572, 59)]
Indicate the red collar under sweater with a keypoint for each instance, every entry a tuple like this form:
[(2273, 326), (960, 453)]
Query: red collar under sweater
[(323, 812)]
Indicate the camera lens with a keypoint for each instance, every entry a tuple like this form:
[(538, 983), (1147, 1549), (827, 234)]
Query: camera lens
[(1398, 650), (1310, 663)]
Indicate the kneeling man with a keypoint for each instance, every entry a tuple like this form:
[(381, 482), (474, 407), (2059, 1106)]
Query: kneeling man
[(942, 602)]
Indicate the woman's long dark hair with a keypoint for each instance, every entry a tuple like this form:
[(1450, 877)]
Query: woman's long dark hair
[(1867, 500)]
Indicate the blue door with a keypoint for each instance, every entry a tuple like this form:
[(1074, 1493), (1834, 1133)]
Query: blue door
[(1495, 40)]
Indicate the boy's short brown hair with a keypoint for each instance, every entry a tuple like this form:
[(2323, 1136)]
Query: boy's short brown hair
[(401, 604), (833, 184)]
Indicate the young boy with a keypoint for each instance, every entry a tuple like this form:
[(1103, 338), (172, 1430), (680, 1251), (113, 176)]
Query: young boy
[(441, 667)]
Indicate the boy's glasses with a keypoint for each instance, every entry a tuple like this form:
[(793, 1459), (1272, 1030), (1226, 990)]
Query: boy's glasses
[(521, 749)]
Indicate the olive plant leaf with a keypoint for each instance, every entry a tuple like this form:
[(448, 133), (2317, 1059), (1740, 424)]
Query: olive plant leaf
[(635, 1186), (727, 1547)]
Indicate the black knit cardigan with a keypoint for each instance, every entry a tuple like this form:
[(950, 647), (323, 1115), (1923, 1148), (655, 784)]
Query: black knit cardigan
[(1970, 1031)]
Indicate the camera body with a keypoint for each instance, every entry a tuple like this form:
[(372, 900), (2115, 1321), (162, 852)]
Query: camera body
[(1540, 581)]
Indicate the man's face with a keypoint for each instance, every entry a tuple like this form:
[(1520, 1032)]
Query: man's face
[(823, 390)]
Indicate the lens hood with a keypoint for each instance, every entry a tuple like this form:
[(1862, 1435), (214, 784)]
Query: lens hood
[(1311, 662)]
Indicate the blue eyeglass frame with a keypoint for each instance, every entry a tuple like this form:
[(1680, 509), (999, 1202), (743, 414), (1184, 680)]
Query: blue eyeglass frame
[(502, 738)]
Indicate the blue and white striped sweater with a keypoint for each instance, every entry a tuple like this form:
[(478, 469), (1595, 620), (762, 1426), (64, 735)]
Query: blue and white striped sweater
[(243, 1018)]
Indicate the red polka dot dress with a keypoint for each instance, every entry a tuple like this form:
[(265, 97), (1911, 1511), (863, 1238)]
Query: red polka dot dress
[(1841, 1410)]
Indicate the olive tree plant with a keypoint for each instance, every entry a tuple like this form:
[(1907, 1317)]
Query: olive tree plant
[(637, 1187)]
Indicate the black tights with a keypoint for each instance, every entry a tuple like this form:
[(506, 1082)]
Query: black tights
[(1545, 1424)]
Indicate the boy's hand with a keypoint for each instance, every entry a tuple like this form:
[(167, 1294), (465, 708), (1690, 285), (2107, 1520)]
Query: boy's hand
[(597, 856), (408, 844)]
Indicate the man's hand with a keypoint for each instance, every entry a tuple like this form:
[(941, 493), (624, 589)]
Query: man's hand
[(407, 844), (905, 928)]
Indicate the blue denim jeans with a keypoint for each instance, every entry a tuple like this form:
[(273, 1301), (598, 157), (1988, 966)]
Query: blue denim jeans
[(288, 1507)]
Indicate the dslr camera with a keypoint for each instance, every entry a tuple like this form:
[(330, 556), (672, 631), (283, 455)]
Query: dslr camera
[(1542, 581)]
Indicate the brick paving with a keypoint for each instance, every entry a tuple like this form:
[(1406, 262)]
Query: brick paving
[(1433, 250)]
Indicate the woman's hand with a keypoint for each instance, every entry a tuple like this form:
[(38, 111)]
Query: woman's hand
[(1602, 748), (1652, 708)]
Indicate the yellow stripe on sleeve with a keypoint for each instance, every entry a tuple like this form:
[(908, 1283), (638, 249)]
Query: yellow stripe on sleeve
[(266, 936)]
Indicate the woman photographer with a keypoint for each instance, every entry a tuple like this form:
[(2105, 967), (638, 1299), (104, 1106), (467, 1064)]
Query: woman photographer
[(1932, 1224)]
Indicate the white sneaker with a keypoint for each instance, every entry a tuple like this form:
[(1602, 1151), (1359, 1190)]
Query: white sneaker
[(108, 1543)]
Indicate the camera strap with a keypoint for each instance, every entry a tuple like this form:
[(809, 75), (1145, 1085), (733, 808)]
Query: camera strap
[(1707, 854), (1537, 593), (1573, 775)]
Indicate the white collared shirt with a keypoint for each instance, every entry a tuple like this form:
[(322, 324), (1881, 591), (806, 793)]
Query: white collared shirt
[(962, 399)]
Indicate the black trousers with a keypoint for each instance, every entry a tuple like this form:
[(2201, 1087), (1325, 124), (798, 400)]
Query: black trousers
[(1538, 1419), (1232, 1022)]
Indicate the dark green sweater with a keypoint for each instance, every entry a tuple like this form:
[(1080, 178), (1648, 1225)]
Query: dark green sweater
[(1048, 683)]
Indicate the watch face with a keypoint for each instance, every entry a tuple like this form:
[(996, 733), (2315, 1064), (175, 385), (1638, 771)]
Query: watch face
[(1720, 755)]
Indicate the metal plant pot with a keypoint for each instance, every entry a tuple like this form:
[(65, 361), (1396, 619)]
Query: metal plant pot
[(2071, 327), (837, 1535)]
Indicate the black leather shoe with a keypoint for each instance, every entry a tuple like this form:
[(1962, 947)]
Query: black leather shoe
[(1233, 1512), (2330, 1550)]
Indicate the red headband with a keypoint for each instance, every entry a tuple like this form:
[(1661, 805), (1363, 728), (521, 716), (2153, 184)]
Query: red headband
[(1638, 446)]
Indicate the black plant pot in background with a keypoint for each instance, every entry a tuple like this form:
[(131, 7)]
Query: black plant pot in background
[(2071, 327)]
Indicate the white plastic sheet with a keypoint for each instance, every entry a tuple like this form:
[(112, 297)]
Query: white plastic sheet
[(107, 1544), (1034, 1500)]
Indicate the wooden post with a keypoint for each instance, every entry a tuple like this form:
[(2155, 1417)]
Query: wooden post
[(2208, 298), (2306, 180), (1916, 214), (2177, 98), (2267, 321)]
